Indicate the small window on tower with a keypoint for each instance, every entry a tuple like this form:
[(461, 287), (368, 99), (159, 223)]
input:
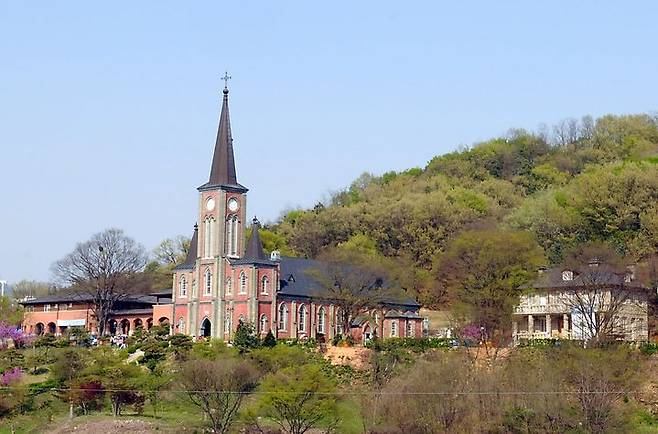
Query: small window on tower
[(208, 282), (265, 285)]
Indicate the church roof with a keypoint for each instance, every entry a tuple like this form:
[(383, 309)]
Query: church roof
[(299, 280), (190, 260), (254, 253), (254, 245), (222, 170)]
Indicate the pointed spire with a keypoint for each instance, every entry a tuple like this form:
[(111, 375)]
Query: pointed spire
[(222, 170), (191, 252), (254, 249)]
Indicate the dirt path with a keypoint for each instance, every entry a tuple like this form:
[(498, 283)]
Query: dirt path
[(106, 426)]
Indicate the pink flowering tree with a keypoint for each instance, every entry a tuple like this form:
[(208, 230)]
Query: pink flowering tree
[(471, 335), (11, 376), (10, 332)]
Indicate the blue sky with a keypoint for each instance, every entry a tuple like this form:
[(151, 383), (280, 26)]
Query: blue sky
[(108, 110)]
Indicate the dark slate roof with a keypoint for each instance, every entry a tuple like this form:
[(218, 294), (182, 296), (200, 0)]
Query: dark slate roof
[(162, 293), (254, 253), (222, 170), (582, 277), (76, 297), (298, 281), (120, 312), (405, 314), (190, 260)]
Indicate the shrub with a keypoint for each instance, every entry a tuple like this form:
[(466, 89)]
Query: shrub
[(270, 340), (417, 345), (180, 345)]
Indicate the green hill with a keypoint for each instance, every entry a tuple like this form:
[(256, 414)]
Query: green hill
[(589, 180)]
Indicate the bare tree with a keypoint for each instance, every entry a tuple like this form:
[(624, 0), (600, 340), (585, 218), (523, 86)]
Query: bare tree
[(218, 388), (106, 268), (601, 294), (354, 281), (172, 251), (30, 288)]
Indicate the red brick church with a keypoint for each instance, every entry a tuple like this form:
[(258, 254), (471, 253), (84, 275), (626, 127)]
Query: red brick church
[(227, 279)]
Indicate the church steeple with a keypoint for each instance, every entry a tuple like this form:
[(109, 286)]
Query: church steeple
[(255, 246), (222, 171)]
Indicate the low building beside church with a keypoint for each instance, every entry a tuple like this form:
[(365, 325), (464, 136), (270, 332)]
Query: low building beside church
[(55, 314)]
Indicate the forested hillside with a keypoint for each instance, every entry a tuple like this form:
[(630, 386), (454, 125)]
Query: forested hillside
[(585, 180)]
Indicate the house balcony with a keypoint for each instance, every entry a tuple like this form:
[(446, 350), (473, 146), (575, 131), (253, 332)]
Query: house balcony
[(537, 309), (554, 334)]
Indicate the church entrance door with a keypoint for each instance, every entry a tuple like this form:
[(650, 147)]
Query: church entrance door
[(205, 328)]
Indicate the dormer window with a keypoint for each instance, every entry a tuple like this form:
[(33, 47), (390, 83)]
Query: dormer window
[(567, 275), (291, 278)]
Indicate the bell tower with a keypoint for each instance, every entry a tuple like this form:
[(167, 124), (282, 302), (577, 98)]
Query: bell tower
[(222, 201), (222, 217)]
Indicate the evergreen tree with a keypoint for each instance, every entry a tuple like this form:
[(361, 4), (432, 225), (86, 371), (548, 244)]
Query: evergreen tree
[(270, 340), (245, 337)]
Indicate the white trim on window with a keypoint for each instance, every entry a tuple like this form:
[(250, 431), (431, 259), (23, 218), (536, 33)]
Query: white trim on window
[(207, 282), (321, 320), (282, 320), (264, 285), (243, 282), (301, 320), (394, 328)]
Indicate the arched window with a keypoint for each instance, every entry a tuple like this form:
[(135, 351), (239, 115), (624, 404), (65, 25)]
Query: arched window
[(321, 320), (232, 234), (301, 322), (229, 286), (228, 320), (283, 316), (263, 324), (243, 283), (208, 236), (410, 329), (207, 280), (181, 325), (394, 328), (264, 285), (339, 321), (182, 283)]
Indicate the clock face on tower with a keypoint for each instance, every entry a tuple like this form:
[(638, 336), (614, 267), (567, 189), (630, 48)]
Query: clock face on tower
[(210, 204), (233, 204)]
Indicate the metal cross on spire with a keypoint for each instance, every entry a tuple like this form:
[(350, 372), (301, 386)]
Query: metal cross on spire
[(226, 78)]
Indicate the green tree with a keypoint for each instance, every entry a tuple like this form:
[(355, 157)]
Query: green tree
[(245, 337), (269, 341), (483, 270), (298, 399)]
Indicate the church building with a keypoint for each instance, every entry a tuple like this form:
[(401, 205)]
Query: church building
[(226, 279)]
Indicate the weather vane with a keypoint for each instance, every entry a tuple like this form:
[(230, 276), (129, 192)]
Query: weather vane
[(226, 78)]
